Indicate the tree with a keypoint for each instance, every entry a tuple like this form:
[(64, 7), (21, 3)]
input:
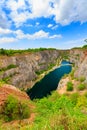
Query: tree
[(85, 40)]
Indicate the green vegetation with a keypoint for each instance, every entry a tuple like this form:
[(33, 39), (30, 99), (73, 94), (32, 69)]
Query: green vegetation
[(60, 113), (5, 80), (51, 65), (39, 72), (81, 86), (8, 67), (1, 83), (72, 73), (84, 47), (64, 54), (12, 52), (82, 79), (69, 86), (14, 109), (56, 112)]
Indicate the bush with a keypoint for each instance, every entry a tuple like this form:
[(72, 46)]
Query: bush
[(81, 86), (72, 74), (14, 109), (82, 79), (69, 86), (11, 66)]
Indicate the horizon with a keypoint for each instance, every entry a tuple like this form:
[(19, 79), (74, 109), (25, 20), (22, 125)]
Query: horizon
[(43, 24)]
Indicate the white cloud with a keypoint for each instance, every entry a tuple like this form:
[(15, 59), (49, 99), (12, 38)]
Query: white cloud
[(14, 5), (55, 27), (50, 25), (40, 34), (40, 8), (19, 12), (64, 11), (28, 25), (4, 31), (37, 23), (4, 23), (7, 40), (56, 36), (67, 11), (37, 35), (19, 18), (7, 35)]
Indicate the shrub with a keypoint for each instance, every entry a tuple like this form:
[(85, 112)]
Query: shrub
[(82, 79), (69, 86), (81, 86), (72, 74), (15, 109), (11, 66)]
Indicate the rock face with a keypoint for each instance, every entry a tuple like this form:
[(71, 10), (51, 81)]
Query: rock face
[(21, 70), (79, 58), (82, 70), (26, 66)]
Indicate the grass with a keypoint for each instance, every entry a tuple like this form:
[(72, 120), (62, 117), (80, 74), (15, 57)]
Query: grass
[(59, 112)]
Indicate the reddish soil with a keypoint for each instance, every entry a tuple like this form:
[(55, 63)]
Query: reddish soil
[(6, 90)]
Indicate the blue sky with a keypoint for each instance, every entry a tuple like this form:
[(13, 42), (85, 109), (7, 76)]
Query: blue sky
[(58, 24)]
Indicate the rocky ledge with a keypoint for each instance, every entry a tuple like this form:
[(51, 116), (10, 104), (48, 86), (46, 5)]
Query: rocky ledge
[(21, 69)]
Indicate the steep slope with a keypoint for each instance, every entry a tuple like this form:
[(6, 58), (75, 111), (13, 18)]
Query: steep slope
[(6, 90), (78, 76), (79, 58), (21, 69)]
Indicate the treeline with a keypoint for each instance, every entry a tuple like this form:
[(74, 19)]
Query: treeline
[(12, 52), (84, 47)]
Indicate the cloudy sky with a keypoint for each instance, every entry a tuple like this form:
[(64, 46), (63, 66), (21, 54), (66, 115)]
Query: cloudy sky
[(42, 23)]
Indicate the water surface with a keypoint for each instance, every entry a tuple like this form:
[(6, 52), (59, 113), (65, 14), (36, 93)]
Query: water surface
[(50, 81)]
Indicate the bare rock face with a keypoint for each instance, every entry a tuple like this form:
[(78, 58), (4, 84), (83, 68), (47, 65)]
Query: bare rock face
[(63, 82), (26, 66), (82, 70), (79, 58), (76, 56)]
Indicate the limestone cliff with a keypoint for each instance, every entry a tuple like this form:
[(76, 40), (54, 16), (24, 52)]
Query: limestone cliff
[(79, 58), (20, 69)]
